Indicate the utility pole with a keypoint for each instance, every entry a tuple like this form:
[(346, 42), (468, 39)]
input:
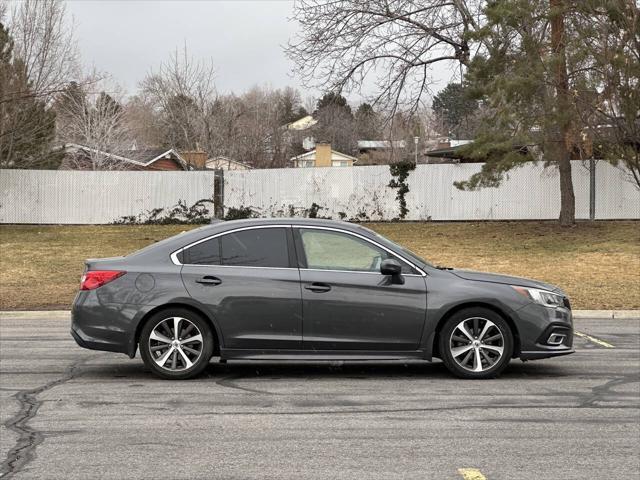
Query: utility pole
[(592, 189), (415, 141)]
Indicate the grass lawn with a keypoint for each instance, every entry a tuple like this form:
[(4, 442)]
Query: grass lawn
[(597, 264)]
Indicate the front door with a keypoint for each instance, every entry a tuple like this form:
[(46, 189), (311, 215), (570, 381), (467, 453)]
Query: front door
[(347, 303), (248, 281)]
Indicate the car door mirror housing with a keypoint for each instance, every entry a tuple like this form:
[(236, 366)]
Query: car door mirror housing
[(390, 267)]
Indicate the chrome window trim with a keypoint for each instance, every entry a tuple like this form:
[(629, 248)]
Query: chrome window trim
[(366, 239), (354, 271), (234, 266), (174, 255)]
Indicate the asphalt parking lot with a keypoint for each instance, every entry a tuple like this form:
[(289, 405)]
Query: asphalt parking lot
[(70, 413)]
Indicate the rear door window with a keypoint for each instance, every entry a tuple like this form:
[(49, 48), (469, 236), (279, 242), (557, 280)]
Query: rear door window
[(258, 247)]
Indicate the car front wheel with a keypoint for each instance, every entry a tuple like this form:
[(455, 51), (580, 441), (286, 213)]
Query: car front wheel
[(176, 344), (476, 343)]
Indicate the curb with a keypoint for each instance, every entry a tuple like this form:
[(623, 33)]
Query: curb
[(612, 314), (65, 314), (37, 314)]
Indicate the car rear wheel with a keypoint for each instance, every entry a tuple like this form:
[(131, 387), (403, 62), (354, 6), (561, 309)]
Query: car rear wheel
[(176, 344), (476, 343)]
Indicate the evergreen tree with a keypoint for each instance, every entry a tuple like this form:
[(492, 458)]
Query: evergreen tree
[(526, 76), (368, 123), (27, 126), (454, 111), (334, 100), (335, 123)]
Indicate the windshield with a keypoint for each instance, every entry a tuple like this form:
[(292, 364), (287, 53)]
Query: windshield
[(405, 251)]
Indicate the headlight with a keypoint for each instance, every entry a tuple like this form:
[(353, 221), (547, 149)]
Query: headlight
[(543, 297)]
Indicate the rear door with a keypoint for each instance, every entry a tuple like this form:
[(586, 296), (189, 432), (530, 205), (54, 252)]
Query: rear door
[(347, 303), (249, 281)]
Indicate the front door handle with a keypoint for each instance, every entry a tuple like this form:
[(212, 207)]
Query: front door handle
[(318, 287), (209, 280)]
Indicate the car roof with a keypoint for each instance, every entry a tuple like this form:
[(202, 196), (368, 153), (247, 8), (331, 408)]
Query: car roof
[(228, 224), (160, 249)]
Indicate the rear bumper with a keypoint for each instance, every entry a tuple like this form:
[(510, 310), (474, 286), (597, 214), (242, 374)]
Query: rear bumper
[(103, 326), (93, 343)]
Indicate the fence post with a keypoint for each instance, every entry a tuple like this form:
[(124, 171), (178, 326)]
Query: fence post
[(592, 189), (218, 193)]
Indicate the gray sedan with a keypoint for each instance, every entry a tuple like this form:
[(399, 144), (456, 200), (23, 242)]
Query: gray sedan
[(303, 289)]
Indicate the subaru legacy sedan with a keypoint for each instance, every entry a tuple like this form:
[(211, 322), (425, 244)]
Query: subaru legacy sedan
[(306, 289)]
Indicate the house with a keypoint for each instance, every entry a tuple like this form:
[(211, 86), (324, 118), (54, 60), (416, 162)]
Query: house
[(300, 132), (323, 156), (81, 157), (303, 123), (453, 152), (380, 152), (225, 163)]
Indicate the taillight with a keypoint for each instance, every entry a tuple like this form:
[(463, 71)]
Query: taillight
[(96, 278)]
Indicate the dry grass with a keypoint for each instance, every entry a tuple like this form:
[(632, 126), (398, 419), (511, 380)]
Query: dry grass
[(598, 264)]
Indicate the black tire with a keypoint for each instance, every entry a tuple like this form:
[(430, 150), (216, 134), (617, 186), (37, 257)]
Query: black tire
[(446, 340), (200, 361)]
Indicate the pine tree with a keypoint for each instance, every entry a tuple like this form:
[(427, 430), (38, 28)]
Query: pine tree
[(454, 111), (539, 79), (27, 126)]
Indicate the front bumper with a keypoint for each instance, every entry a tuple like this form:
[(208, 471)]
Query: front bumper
[(537, 324)]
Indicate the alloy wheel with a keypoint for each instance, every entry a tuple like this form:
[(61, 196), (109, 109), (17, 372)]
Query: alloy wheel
[(476, 344), (175, 343)]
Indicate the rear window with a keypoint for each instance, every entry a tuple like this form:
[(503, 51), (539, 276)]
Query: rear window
[(261, 247), (204, 253)]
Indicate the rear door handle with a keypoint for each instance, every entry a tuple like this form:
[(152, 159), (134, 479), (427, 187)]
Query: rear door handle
[(209, 280), (318, 287)]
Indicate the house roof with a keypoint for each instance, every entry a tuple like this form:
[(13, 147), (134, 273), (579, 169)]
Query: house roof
[(302, 123), (308, 155), (380, 144), (222, 158), (141, 157), (454, 152)]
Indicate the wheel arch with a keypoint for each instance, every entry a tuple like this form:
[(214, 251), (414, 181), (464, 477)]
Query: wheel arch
[(187, 306), (462, 306)]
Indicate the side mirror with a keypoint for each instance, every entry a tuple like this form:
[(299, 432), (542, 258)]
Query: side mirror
[(390, 267), (393, 268)]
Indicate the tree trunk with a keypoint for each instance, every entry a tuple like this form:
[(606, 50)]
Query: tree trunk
[(562, 113)]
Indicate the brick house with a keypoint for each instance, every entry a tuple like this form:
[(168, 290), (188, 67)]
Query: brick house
[(79, 157), (323, 156)]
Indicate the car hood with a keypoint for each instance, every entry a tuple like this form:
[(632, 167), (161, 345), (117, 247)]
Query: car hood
[(505, 279)]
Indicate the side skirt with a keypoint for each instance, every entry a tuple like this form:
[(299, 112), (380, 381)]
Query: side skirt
[(316, 355)]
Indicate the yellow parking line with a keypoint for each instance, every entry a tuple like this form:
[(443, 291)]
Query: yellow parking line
[(594, 340), (471, 474)]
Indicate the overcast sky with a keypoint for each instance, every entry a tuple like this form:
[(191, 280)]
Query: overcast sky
[(244, 39)]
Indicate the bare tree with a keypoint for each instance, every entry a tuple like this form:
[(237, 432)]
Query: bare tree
[(607, 100), (44, 40), (394, 42), (252, 127), (183, 91), (95, 120), (144, 121), (26, 124)]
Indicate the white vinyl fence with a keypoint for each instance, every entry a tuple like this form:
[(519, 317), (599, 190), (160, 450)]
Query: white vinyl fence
[(530, 192), (50, 196)]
